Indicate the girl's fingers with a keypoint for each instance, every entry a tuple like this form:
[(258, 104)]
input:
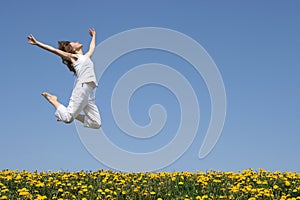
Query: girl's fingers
[(91, 30), (30, 37)]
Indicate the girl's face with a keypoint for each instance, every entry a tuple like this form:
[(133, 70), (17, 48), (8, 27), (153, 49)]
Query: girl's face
[(76, 45)]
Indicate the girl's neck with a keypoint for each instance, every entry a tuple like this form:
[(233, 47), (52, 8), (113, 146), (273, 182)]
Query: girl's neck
[(79, 52)]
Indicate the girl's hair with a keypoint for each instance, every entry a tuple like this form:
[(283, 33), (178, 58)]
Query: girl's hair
[(65, 46)]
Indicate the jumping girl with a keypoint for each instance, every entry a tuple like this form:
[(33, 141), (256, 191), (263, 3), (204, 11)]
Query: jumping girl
[(83, 95)]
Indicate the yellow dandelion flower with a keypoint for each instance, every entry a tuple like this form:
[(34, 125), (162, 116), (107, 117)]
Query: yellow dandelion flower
[(85, 190), (235, 189), (80, 192), (24, 193), (22, 190), (40, 184), (40, 197), (4, 190), (99, 190)]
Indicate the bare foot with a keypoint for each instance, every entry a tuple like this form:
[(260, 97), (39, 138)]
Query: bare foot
[(51, 98)]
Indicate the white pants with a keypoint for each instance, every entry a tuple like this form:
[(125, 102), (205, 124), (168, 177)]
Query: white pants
[(82, 99)]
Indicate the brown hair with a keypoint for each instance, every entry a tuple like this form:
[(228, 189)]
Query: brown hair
[(65, 46)]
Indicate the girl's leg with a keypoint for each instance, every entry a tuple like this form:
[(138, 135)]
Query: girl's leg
[(78, 101), (92, 118)]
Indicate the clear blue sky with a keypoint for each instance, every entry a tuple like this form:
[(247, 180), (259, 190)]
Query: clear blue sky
[(255, 44)]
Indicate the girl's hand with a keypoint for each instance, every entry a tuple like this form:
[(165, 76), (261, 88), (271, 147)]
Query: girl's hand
[(92, 32), (31, 39)]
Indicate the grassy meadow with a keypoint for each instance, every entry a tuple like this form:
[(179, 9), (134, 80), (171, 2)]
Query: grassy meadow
[(89, 185)]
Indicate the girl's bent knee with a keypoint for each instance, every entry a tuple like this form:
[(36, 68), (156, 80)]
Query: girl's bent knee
[(98, 126), (94, 125)]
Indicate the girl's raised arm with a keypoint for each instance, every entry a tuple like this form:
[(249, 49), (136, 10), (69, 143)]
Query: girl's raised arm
[(33, 41), (92, 33)]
